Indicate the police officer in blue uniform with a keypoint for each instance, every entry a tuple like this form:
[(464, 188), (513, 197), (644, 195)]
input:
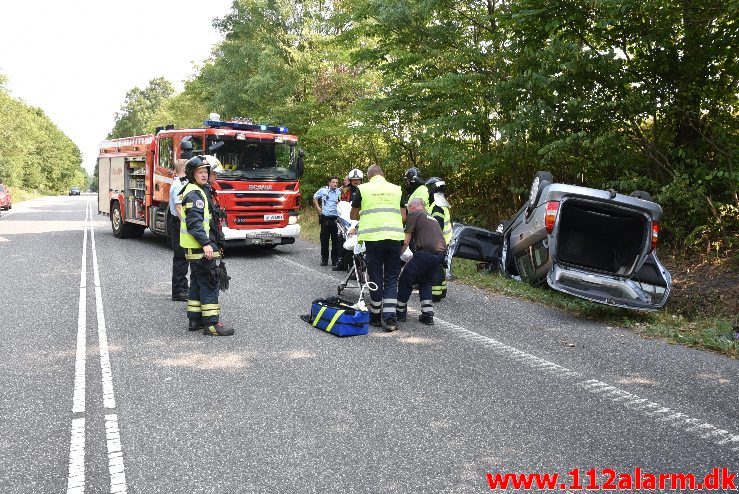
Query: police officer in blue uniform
[(327, 213)]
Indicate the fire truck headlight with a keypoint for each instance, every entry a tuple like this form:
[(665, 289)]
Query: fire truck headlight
[(293, 220)]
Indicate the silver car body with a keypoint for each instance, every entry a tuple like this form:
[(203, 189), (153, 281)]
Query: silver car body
[(599, 246)]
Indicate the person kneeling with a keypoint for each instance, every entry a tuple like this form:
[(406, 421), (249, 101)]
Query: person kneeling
[(424, 234)]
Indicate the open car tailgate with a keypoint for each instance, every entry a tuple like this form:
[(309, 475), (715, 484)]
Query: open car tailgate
[(647, 289)]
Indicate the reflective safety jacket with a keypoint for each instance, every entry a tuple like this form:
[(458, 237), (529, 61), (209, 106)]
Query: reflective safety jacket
[(196, 224), (380, 217), (443, 215), (421, 192)]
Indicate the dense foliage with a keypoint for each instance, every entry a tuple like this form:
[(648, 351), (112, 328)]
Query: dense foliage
[(624, 94), (34, 153)]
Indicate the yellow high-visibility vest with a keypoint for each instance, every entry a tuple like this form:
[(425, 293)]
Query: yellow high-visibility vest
[(380, 217)]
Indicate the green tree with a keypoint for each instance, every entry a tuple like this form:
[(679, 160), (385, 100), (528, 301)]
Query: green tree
[(139, 107)]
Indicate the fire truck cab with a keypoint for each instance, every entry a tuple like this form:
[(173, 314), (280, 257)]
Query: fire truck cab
[(259, 187)]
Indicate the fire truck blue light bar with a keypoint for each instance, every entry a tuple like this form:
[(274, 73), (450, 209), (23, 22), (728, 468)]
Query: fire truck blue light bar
[(245, 126)]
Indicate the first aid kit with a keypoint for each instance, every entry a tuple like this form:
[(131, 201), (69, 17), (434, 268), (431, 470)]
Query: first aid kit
[(337, 316)]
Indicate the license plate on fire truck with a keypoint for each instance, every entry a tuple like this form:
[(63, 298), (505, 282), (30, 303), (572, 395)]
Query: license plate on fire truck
[(273, 217)]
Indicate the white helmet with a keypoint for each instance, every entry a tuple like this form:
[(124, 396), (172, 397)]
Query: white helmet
[(215, 163), (356, 174)]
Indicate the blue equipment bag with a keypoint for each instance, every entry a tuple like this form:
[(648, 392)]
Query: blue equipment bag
[(338, 317)]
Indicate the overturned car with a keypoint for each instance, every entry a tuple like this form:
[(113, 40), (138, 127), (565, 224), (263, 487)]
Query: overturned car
[(595, 244)]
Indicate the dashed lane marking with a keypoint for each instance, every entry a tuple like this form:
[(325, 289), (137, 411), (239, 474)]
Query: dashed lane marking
[(76, 475), (116, 466), (650, 409)]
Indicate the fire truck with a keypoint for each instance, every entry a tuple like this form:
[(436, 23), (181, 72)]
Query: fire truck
[(259, 187)]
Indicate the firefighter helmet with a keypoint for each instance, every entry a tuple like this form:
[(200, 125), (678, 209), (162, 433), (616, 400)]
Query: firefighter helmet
[(355, 174), (192, 165), (413, 178), (436, 185), (214, 163)]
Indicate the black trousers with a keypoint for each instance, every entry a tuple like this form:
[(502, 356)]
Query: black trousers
[(329, 230), (383, 268), (202, 299), (179, 263)]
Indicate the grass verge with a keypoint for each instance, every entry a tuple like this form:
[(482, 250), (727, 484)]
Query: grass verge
[(20, 195), (714, 332)]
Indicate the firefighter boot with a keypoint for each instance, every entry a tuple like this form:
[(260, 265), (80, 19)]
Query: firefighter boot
[(195, 324), (426, 319), (217, 329)]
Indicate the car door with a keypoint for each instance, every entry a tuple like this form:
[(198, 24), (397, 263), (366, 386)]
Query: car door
[(476, 244)]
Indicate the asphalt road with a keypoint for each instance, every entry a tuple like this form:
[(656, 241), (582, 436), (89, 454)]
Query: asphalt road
[(105, 390)]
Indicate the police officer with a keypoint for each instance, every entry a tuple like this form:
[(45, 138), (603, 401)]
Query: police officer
[(415, 186), (429, 250), (329, 197), (179, 263), (378, 207), (439, 209), (199, 238)]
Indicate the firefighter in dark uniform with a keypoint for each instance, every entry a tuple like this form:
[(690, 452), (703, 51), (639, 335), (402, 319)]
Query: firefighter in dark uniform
[(439, 209), (429, 249), (415, 186), (199, 237)]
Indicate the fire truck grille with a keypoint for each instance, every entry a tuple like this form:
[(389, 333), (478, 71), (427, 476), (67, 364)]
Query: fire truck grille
[(259, 204)]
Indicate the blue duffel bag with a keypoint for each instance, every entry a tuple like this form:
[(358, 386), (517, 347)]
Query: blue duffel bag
[(338, 317)]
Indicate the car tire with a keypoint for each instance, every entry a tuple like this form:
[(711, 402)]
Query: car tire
[(640, 194), (537, 187)]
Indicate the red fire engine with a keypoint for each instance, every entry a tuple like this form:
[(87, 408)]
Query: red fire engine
[(259, 187)]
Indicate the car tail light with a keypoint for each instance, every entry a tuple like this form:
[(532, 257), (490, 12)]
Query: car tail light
[(655, 235), (551, 215)]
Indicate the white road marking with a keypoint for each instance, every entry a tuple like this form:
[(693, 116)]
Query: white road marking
[(115, 452), (659, 413), (76, 477), (115, 455), (107, 374)]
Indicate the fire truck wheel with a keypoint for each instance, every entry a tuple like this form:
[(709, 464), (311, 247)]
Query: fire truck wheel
[(116, 221), (135, 231)]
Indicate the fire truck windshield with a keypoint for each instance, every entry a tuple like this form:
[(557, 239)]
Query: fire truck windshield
[(250, 159)]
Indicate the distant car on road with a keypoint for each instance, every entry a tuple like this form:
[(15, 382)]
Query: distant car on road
[(594, 244), (5, 200), (74, 191)]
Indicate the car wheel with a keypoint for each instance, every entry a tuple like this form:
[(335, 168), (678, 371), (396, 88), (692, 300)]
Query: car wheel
[(640, 194), (116, 221), (537, 186)]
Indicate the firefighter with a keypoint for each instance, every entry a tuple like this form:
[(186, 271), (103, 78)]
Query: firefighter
[(218, 212), (353, 179), (179, 263), (428, 254), (378, 207), (415, 186), (439, 209), (199, 237)]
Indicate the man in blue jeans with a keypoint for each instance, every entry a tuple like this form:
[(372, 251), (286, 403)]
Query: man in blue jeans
[(424, 235)]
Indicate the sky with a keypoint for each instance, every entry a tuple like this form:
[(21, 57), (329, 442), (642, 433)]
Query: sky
[(76, 60)]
